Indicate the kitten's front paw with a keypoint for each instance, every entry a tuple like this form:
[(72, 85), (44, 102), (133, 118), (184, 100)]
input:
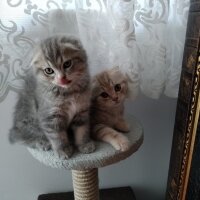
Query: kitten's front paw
[(87, 147), (122, 144), (65, 153)]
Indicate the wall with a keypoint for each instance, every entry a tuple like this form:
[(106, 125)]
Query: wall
[(24, 178)]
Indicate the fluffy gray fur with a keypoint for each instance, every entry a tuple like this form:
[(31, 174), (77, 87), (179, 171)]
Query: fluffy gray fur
[(53, 109)]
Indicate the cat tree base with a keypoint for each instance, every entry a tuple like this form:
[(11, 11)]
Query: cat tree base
[(121, 193), (85, 168)]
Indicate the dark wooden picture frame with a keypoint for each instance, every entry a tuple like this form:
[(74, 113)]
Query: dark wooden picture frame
[(184, 170)]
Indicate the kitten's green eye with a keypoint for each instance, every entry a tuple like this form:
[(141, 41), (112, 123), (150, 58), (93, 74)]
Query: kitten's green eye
[(117, 87), (104, 94), (67, 64), (48, 71)]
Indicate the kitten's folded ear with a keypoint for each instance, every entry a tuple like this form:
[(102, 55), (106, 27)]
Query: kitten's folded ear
[(119, 75), (71, 47)]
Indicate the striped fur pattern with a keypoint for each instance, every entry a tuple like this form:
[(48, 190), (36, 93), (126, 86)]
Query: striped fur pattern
[(110, 89), (53, 109)]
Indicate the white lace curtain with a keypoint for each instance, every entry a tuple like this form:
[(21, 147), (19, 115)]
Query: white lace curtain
[(145, 38)]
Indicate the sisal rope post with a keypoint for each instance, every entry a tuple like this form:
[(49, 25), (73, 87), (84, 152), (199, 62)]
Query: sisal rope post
[(85, 184)]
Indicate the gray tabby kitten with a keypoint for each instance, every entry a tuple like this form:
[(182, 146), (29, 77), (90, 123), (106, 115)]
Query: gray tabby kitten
[(110, 88), (54, 105)]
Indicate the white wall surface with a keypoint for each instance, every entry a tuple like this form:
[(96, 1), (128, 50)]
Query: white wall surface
[(24, 178)]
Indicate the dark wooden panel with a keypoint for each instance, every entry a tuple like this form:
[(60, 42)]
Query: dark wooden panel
[(193, 26), (195, 6), (123, 193), (185, 114), (189, 58), (193, 191), (181, 117), (192, 42), (186, 87)]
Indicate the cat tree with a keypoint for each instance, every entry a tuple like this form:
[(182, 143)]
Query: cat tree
[(85, 166)]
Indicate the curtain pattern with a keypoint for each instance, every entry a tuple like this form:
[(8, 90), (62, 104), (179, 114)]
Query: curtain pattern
[(145, 38)]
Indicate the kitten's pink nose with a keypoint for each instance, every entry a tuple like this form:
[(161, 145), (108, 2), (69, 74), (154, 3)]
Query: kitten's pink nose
[(64, 81)]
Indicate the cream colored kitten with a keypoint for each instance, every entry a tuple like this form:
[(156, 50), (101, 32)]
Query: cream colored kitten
[(110, 89)]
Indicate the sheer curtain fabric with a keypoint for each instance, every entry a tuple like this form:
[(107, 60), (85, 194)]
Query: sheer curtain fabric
[(145, 38)]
